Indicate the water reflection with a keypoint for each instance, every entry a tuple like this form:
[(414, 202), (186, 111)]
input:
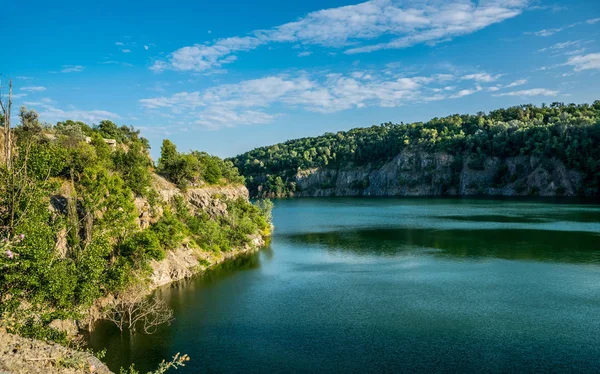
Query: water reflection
[(508, 244), (147, 351)]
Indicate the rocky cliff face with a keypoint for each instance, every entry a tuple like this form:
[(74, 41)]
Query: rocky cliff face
[(435, 174), (185, 262)]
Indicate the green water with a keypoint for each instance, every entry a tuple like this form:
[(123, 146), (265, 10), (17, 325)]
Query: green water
[(393, 285)]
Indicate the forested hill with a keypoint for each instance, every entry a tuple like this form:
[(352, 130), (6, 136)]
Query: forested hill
[(547, 150)]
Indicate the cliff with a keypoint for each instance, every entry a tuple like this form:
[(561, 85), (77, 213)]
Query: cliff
[(413, 173), (185, 261)]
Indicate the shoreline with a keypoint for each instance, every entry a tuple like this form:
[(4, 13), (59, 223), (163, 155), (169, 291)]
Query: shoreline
[(25, 355)]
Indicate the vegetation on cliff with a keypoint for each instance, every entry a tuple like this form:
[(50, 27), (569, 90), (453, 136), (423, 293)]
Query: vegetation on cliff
[(70, 218), (570, 133)]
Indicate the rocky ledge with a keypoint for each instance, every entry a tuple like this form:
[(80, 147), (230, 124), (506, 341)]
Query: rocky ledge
[(20, 355)]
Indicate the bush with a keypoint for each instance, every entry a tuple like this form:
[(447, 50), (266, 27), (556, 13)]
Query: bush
[(141, 247), (169, 231)]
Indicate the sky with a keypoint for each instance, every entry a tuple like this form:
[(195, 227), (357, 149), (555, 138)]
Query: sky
[(228, 76)]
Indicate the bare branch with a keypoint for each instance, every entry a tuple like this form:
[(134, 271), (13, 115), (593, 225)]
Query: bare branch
[(134, 309)]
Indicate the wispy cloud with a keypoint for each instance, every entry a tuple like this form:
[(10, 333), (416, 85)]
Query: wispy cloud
[(553, 8), (24, 78), (126, 50), (71, 68), (253, 101), (33, 88), (590, 61), (50, 113), (530, 92), (466, 92), (359, 28), (482, 77), (563, 45), (304, 53), (516, 83), (119, 43), (111, 62), (550, 32)]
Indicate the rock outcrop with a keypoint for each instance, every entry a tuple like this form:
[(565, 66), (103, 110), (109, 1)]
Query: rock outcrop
[(184, 262), (20, 355), (437, 174)]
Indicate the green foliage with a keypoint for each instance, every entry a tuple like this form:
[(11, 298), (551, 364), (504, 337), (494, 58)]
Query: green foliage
[(134, 166), (192, 168), (169, 230), (72, 198), (141, 247), (570, 133), (124, 134)]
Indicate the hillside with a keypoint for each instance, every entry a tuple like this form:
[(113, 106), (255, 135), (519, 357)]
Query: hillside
[(526, 150), (89, 227)]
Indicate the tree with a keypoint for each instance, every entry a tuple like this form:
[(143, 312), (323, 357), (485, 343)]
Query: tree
[(135, 310), (168, 155)]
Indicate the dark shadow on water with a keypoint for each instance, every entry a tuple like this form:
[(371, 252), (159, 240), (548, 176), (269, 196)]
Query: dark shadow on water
[(532, 245), (149, 350), (558, 216), (495, 219)]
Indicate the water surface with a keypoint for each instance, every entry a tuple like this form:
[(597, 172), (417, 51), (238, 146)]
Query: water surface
[(388, 285)]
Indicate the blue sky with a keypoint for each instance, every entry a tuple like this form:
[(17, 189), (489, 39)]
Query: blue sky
[(228, 76)]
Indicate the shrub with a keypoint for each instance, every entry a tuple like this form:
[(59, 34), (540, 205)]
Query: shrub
[(141, 247), (169, 230)]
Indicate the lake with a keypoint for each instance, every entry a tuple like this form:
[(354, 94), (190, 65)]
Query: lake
[(393, 285)]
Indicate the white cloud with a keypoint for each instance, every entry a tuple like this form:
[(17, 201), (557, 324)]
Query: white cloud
[(119, 43), (482, 77), (403, 24), (146, 47), (71, 68), (562, 45), (33, 88), (262, 100), (50, 113), (24, 78), (466, 92), (575, 52), (126, 50), (547, 32), (110, 62), (550, 32), (553, 8), (530, 92), (519, 82), (590, 61), (304, 54)]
